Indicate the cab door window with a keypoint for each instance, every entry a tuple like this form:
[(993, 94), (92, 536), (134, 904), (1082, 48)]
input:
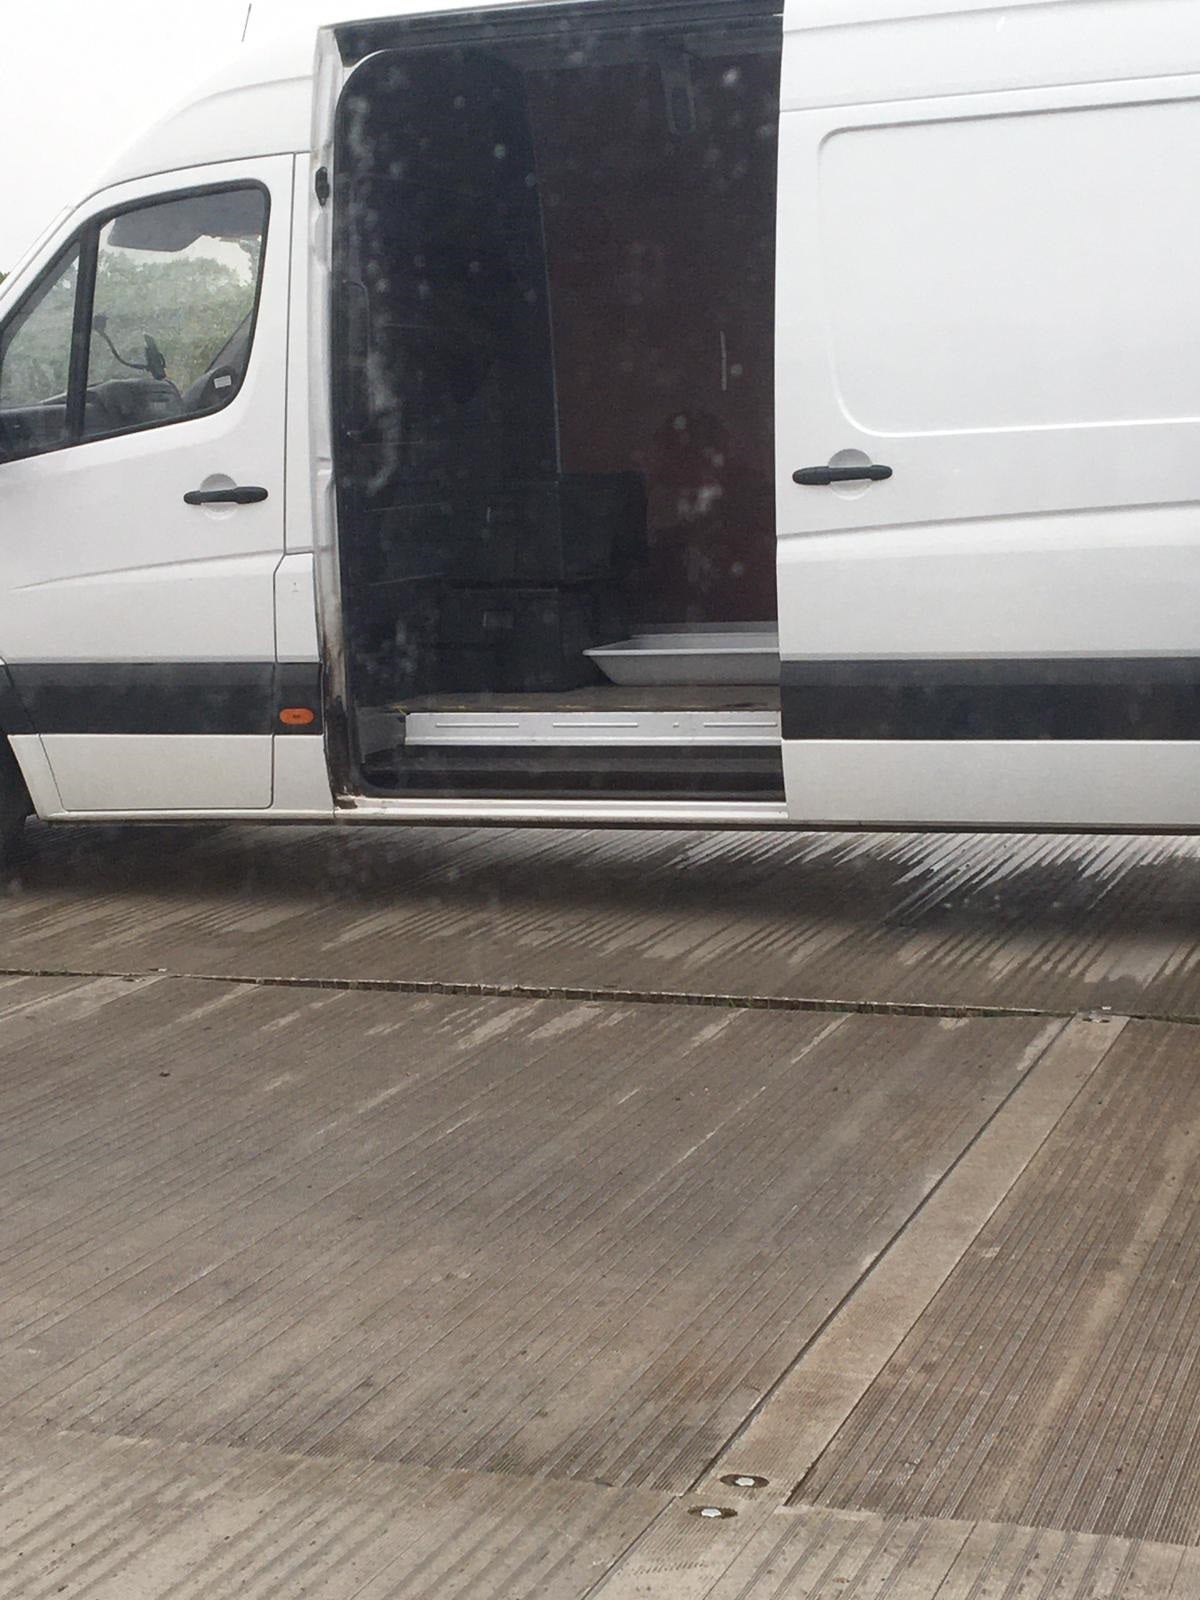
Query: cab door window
[(176, 288), (148, 318), (35, 363)]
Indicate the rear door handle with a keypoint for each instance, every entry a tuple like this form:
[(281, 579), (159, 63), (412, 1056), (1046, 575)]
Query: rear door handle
[(247, 496), (819, 477)]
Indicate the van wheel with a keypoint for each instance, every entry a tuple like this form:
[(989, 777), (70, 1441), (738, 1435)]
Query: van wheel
[(15, 805)]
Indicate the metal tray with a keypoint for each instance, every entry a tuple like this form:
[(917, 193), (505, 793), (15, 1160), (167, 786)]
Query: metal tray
[(746, 654)]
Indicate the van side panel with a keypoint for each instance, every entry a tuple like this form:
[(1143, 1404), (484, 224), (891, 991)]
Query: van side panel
[(993, 294), (873, 52), (1012, 783), (132, 772)]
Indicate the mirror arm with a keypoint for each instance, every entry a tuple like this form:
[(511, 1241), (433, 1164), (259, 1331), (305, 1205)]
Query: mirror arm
[(99, 327)]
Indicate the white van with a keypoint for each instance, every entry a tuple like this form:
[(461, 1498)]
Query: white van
[(625, 411)]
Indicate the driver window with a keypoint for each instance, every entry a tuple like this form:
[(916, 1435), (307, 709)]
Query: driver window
[(35, 364), (173, 310)]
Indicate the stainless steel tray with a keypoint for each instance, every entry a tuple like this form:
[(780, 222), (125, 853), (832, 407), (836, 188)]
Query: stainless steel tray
[(732, 654)]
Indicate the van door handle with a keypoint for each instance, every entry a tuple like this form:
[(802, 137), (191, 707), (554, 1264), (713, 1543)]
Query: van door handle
[(818, 477), (247, 496)]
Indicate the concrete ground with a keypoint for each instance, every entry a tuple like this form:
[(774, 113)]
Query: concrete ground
[(451, 1213)]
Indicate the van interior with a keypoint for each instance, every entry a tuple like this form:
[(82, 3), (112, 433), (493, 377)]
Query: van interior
[(554, 405)]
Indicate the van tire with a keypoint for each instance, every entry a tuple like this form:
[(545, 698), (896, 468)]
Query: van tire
[(15, 805)]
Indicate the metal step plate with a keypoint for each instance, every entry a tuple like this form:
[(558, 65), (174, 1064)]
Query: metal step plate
[(510, 728)]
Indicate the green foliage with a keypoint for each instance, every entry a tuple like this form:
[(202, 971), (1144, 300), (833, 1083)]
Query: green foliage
[(36, 355), (190, 305)]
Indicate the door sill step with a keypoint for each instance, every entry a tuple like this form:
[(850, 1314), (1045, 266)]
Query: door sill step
[(508, 729)]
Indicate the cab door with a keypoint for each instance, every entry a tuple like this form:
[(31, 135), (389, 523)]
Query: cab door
[(142, 405), (988, 430)]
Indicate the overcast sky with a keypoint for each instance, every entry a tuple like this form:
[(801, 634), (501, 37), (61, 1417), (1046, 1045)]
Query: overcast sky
[(80, 79)]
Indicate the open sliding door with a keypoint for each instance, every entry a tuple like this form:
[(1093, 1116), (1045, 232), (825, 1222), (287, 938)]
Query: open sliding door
[(552, 256), (988, 378)]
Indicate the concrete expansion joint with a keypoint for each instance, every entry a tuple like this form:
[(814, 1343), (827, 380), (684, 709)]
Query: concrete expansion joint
[(730, 1001)]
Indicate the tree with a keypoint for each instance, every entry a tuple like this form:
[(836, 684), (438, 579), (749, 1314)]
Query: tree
[(190, 305)]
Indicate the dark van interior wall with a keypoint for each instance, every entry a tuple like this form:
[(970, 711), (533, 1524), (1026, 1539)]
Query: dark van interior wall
[(658, 201), (447, 383), (553, 323)]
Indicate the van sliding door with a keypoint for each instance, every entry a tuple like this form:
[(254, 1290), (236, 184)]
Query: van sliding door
[(552, 272), (988, 440)]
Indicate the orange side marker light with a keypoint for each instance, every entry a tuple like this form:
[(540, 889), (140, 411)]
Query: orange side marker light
[(297, 716)]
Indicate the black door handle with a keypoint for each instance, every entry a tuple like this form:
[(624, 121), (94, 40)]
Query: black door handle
[(247, 496), (818, 477)]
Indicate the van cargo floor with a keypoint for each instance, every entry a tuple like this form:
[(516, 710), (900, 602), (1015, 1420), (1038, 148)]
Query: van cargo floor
[(608, 697)]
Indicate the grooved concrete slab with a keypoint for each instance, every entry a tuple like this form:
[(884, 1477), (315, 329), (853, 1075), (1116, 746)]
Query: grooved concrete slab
[(127, 1519), (1054, 923), (563, 1241), (815, 1553), (825, 1385), (1055, 1379)]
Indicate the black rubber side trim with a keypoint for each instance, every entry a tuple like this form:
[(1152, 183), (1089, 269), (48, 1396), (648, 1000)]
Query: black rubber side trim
[(164, 696), (1109, 697), (14, 718)]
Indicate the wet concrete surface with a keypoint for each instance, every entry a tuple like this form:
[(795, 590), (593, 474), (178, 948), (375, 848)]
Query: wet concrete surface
[(1040, 922), (358, 1294)]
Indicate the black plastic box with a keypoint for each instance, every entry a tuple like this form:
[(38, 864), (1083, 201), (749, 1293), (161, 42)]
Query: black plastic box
[(516, 640), (576, 529), (566, 530)]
